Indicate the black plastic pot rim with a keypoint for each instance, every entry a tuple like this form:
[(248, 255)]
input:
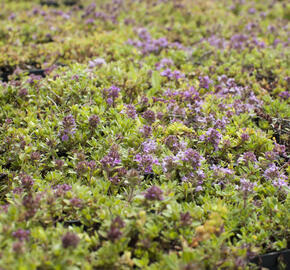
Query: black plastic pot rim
[(270, 260)]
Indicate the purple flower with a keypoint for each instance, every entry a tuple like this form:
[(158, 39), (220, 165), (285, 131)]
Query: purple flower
[(273, 174), (61, 189), (31, 205), (165, 62), (195, 178), (176, 45), (146, 131), (143, 34), (17, 190), (285, 94), (115, 180), (89, 10), (23, 92), (64, 187), (217, 42), (213, 136), (245, 137), (246, 186), (98, 62), (21, 234), (148, 45), (114, 91), (176, 112), (27, 181), (166, 73), (69, 126), (260, 44), (145, 162), (221, 172), (198, 188), (8, 121), (82, 167), (144, 101), (253, 100), (18, 247), (66, 16), (92, 164), (252, 10), (149, 146), (131, 111), (160, 115), (76, 203), (90, 21), (161, 100), (70, 239), (114, 232), (12, 16), (280, 182), (191, 156), (176, 74), (276, 42), (33, 79), (149, 116), (251, 26), (110, 101), (64, 137), (220, 123), (185, 219), (101, 15), (154, 193), (238, 41), (169, 163), (111, 94), (94, 120), (270, 155), (200, 177), (35, 156), (248, 157), (111, 159), (204, 82), (35, 11), (161, 42), (4, 208), (172, 143), (279, 149), (59, 163)]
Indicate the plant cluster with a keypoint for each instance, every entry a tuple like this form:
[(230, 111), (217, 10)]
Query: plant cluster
[(143, 134)]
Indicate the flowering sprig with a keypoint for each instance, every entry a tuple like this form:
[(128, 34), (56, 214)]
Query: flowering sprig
[(68, 127), (212, 136), (114, 232), (175, 75), (21, 234), (190, 157), (246, 187), (272, 173), (70, 239), (154, 193), (145, 162), (111, 94)]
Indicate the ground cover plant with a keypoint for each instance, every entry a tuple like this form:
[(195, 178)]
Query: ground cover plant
[(143, 134)]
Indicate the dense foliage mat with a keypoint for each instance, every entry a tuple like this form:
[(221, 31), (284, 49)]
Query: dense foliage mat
[(143, 134)]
